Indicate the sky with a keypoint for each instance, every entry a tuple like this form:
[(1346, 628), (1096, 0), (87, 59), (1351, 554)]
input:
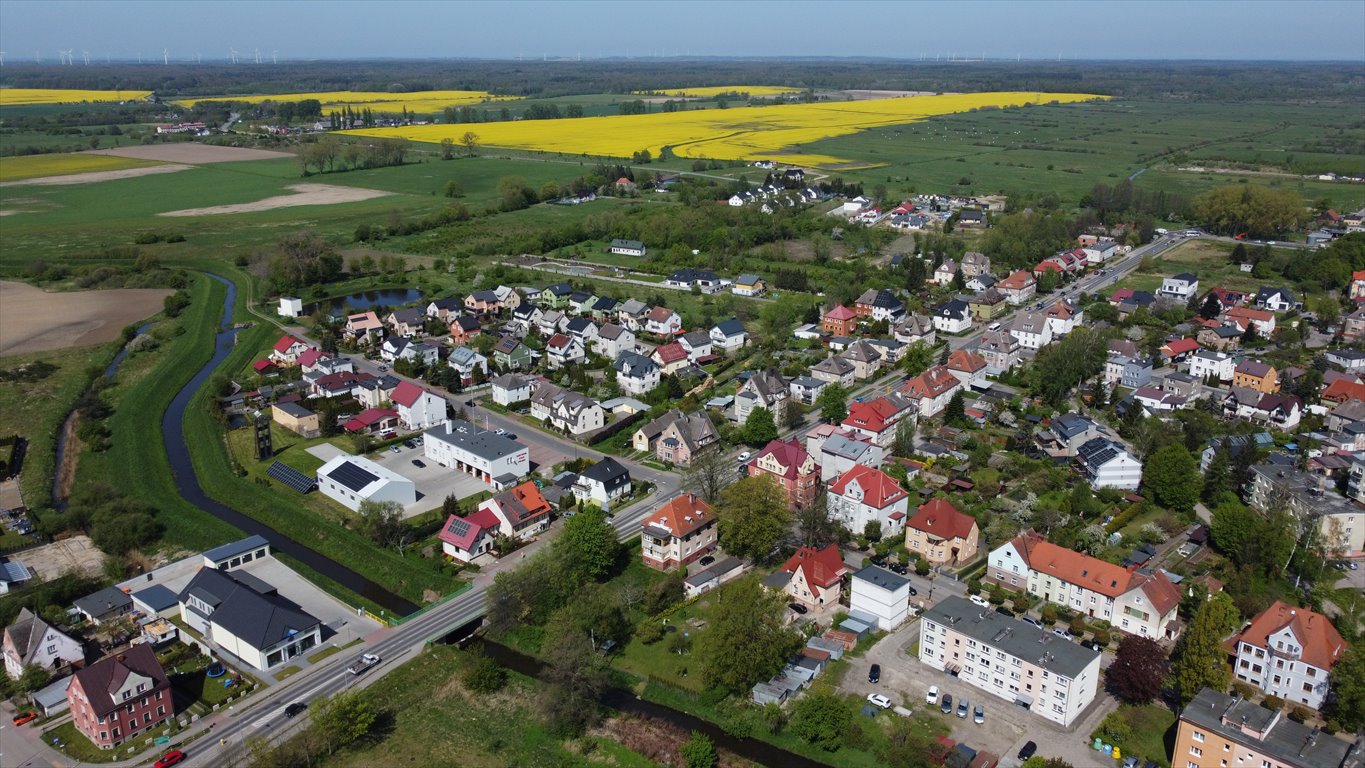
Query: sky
[(358, 29)]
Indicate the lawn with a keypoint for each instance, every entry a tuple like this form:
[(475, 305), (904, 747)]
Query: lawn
[(76, 746), (1210, 262), (1153, 732), (332, 650)]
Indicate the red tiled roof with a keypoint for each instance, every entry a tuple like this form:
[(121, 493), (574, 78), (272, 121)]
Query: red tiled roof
[(1072, 567), (285, 343), (368, 418), (481, 520), (1180, 346), (262, 365), (823, 568), (307, 359), (789, 455), (1048, 266), (660, 314), (1260, 315), (557, 341), (1016, 281), (931, 383), (841, 313), (1355, 275), (681, 515), (874, 416), (671, 352), (966, 361), (342, 380), (939, 518), (406, 394), (1322, 644), (1342, 390), (879, 489)]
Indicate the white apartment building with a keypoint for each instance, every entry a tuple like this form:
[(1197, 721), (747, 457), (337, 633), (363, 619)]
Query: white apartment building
[(879, 593), (1289, 652)]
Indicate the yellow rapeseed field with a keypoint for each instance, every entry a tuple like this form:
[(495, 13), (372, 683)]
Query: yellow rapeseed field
[(13, 97), (746, 133), (65, 164), (423, 102), (703, 92)]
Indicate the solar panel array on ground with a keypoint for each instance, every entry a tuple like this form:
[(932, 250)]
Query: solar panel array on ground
[(291, 477)]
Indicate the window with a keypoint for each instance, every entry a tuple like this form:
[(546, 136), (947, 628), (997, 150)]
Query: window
[(1199, 737), (52, 649), (1196, 751), (161, 711)]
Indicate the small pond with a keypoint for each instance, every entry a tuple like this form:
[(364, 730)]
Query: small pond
[(363, 300)]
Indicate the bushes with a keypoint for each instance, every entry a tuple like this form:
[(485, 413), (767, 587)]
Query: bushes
[(1273, 703)]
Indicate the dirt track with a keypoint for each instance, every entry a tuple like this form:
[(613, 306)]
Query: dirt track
[(33, 320), (191, 153), (304, 194), (91, 178)]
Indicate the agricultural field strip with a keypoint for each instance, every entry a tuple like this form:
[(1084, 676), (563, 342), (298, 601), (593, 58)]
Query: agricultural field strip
[(66, 164), (707, 91), (14, 97), (417, 101), (731, 134)]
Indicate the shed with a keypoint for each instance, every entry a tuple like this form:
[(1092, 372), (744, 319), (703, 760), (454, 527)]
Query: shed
[(834, 648), (233, 554), (764, 693), (155, 599), (52, 699), (856, 627)]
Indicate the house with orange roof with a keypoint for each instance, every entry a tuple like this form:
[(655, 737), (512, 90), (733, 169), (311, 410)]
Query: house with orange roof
[(1263, 320), (1018, 287), (1063, 317), (364, 326), (288, 350), (1289, 652), (522, 511), (1342, 390), (941, 534), (1136, 600), (932, 390), (1357, 291), (677, 533), (866, 495), (811, 577), (839, 321), (969, 368), (791, 467)]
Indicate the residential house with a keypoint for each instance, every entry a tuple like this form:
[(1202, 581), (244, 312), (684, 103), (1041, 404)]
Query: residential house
[(565, 409), (341, 384), (983, 282), (1181, 287), (1130, 372), (1177, 349), (1018, 288), (1033, 330), (1219, 336), (839, 321), (1057, 679), (1256, 375), (348, 480), (522, 511), (612, 340), (1281, 412), (974, 263), (492, 458), (679, 532), (509, 354), (881, 595), (510, 389), (557, 295), (945, 272), (806, 389), (1000, 350), (919, 329), (1206, 362), (525, 318), (952, 316), (968, 368), (671, 357), (465, 538), (1340, 522), (879, 305), (932, 390), (1275, 299), (841, 451), (635, 373), (406, 322), (627, 247), (551, 321), (363, 327), (1136, 600), (1106, 464), (603, 483), (1068, 432), (296, 418), (30, 641), (697, 344), (445, 310), (464, 329), (834, 369), (287, 351), (247, 618), (877, 419), (1063, 317), (729, 336), (794, 470), (632, 315), (372, 421), (583, 329), (971, 218), (1101, 251), (987, 305), (681, 437), (418, 408), (702, 280), (941, 534), (866, 360), (811, 577), (1214, 726), (119, 697), (104, 606), (604, 309), (563, 350), (865, 495), (1262, 320), (892, 351), (1289, 652), (749, 285), (663, 322), (1156, 401), (763, 389), (1349, 360)]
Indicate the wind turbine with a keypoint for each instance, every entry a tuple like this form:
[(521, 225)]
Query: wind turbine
[(67, 56), (258, 55), (232, 54), (86, 56), (165, 57), (274, 57), (198, 58), (2, 58)]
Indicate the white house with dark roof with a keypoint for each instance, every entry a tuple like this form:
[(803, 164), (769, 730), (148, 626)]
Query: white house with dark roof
[(32, 641), (805, 389), (1180, 287), (247, 618), (511, 388), (564, 409), (603, 482), (627, 247), (834, 370), (952, 316), (697, 344), (1107, 464), (882, 595), (728, 336), (492, 458), (467, 362), (349, 480), (635, 373), (612, 340)]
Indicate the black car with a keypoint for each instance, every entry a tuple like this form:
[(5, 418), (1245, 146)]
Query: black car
[(914, 591), (799, 608), (874, 675), (946, 704), (707, 560), (1027, 751), (1003, 611), (471, 404), (418, 463), (899, 568), (295, 708)]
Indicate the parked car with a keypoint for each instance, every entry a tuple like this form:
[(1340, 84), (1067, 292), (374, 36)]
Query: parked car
[(1033, 621), (470, 404), (500, 432), (419, 463), (913, 591), (706, 560), (979, 715), (1130, 762), (981, 601), (744, 456), (1353, 565), (173, 757), (396, 449), (798, 608), (295, 708), (874, 675), (1003, 611), (383, 368), (24, 718), (899, 568), (879, 700), (947, 704), (932, 696), (1026, 751), (1062, 633), (962, 709)]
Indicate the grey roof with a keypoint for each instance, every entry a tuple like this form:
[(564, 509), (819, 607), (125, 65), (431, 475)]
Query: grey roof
[(511, 381), (881, 578), (13, 573), (157, 597), (731, 327), (690, 275), (619, 243), (235, 548), (1282, 739), (1012, 636), (294, 409), (53, 697), (808, 382), (351, 475), (1186, 277), (747, 279), (1069, 425), (579, 325), (106, 600), (633, 307), (840, 445), (482, 443), (953, 308), (634, 364), (260, 620), (697, 339), (609, 472)]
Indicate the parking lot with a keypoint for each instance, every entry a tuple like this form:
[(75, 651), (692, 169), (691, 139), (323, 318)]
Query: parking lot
[(434, 482), (1006, 728)]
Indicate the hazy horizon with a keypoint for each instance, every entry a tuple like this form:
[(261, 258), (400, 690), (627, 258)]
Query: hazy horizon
[(359, 30)]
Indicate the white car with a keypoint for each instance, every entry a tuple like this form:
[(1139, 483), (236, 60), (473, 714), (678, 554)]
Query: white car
[(932, 696), (744, 456), (879, 700), (981, 601)]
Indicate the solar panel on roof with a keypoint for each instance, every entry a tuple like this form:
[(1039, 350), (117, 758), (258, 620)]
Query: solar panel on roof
[(458, 528), (351, 476), (291, 477)]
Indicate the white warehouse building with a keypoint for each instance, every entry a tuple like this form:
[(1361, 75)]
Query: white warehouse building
[(352, 479), (492, 458)]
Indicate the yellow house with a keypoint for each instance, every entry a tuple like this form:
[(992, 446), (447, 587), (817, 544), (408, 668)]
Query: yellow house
[(295, 418), (1256, 375)]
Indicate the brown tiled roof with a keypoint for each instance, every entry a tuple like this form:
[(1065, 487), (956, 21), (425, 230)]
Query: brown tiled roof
[(943, 520), (100, 680), (823, 568), (1322, 644), (681, 515)]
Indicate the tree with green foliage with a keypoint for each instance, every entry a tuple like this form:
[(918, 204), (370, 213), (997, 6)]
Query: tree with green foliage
[(699, 751), (917, 358), (1216, 478), (955, 413), (759, 428), (1172, 476), (1346, 696), (833, 403), (752, 517), (589, 545), (903, 444), (821, 719), (484, 676), (748, 640), (910, 745), (343, 719), (382, 522), (1061, 367), (1251, 209), (814, 524), (1200, 660), (578, 676)]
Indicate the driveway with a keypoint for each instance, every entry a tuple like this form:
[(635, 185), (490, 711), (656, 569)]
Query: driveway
[(1007, 728), (434, 482)]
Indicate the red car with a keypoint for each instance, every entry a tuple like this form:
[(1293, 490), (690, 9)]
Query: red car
[(25, 717), (169, 759)]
